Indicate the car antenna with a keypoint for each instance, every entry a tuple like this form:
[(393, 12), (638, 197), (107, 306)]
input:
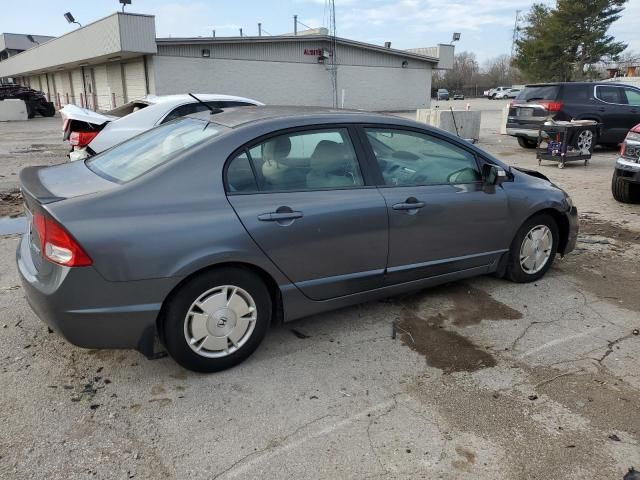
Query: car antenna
[(211, 109)]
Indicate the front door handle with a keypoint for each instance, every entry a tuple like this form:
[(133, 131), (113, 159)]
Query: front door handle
[(410, 203), (279, 216)]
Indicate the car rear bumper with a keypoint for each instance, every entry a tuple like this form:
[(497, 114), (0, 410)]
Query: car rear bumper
[(90, 312), (520, 131)]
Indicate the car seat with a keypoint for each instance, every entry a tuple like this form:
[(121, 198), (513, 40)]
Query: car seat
[(330, 166), (274, 171)]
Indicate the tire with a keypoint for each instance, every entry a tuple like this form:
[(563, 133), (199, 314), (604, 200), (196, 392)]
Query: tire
[(47, 109), (527, 143), (624, 191), (538, 224), (221, 325)]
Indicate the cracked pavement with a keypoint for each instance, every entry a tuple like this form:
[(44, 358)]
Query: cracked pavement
[(486, 379)]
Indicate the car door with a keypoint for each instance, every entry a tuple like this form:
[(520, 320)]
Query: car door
[(611, 100), (442, 217), (302, 197), (632, 107)]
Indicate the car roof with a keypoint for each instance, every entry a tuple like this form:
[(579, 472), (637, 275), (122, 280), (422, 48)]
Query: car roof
[(234, 117), (557, 84)]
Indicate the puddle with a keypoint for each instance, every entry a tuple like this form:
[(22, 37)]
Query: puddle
[(13, 225), (446, 349)]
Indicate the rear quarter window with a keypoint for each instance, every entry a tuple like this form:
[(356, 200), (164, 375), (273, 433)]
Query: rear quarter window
[(141, 154), (577, 93)]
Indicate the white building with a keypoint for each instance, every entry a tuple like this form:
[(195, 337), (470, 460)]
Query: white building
[(118, 58)]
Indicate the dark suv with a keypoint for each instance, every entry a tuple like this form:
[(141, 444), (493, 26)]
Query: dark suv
[(616, 107)]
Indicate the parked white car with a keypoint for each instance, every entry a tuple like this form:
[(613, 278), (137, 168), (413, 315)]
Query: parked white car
[(498, 92), (90, 132)]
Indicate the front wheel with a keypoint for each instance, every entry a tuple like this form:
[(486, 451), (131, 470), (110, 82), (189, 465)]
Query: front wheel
[(533, 249), (624, 191), (217, 319)]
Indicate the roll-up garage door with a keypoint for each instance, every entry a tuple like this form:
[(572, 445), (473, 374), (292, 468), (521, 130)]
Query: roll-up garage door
[(43, 82), (58, 80), (102, 87), (77, 86), (134, 80)]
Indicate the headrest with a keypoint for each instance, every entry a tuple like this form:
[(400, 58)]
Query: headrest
[(276, 149)]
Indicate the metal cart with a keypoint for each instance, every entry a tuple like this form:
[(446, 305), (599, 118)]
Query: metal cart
[(566, 141)]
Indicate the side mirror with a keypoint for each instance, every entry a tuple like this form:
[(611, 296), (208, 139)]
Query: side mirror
[(493, 174)]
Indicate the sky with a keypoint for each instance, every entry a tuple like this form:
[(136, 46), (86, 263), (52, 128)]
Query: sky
[(486, 25)]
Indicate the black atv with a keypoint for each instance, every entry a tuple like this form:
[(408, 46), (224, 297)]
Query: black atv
[(36, 101)]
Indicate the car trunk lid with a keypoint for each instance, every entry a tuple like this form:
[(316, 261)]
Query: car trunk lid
[(73, 112), (535, 103), (43, 187)]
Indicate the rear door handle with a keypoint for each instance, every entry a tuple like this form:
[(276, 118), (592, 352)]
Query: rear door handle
[(408, 205), (279, 216)]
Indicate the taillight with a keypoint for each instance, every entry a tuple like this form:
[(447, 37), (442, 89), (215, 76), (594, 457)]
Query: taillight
[(81, 139), (57, 245), (551, 106)]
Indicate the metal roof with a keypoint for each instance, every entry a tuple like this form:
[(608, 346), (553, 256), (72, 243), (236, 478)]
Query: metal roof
[(295, 38)]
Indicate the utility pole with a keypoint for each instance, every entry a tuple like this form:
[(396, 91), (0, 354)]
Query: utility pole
[(295, 24), (259, 29)]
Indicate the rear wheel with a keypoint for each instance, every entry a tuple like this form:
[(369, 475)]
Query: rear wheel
[(533, 249), (624, 191), (217, 319), (526, 142)]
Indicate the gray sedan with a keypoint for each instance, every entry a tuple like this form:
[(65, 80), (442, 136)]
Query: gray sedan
[(205, 231)]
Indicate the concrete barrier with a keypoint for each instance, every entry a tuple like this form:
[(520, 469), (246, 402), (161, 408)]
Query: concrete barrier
[(466, 121), (12, 110), (505, 115)]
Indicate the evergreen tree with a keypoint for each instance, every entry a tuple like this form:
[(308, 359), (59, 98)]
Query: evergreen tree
[(561, 43)]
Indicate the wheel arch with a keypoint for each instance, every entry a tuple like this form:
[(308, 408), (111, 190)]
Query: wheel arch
[(274, 290), (563, 228)]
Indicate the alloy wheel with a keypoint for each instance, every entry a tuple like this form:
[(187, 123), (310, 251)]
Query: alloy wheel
[(585, 139)]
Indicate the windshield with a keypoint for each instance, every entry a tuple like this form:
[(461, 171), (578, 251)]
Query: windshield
[(543, 92), (142, 153)]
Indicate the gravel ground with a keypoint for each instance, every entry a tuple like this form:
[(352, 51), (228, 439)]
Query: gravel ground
[(485, 380)]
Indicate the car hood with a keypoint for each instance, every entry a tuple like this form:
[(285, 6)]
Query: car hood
[(73, 112)]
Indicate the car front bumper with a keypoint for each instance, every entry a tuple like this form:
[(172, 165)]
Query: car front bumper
[(572, 237), (89, 311), (628, 169)]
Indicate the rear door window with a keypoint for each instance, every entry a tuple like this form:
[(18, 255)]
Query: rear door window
[(299, 161), (610, 94), (542, 92), (139, 155)]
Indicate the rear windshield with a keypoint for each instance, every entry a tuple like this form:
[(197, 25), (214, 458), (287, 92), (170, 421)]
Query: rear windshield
[(543, 92), (142, 153)]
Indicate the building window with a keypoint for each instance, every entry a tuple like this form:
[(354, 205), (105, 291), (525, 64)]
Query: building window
[(206, 52)]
